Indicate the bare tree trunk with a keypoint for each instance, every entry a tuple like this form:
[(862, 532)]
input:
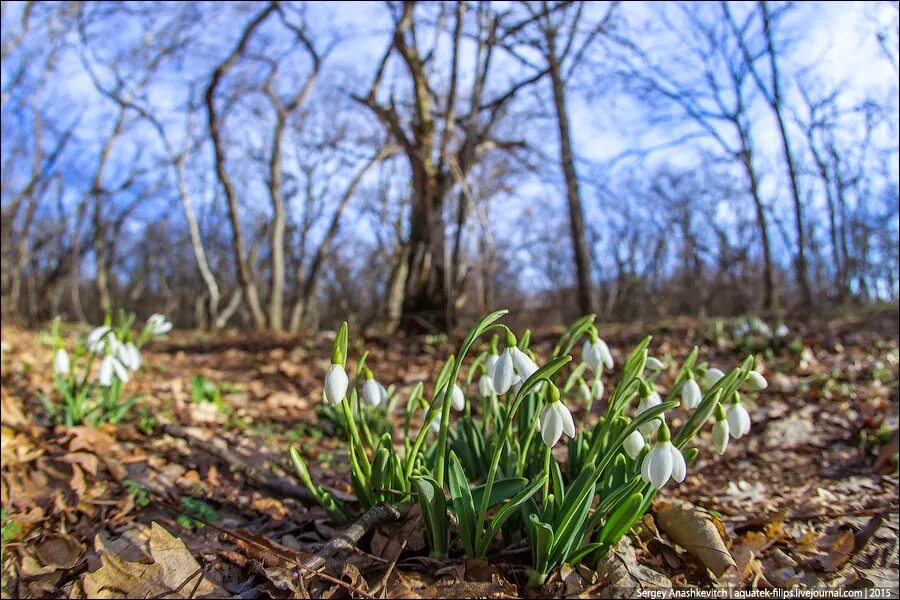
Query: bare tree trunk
[(396, 286), (244, 273), (276, 297), (573, 195)]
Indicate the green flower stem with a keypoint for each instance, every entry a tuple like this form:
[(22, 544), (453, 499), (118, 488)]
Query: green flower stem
[(548, 453), (354, 437), (454, 374)]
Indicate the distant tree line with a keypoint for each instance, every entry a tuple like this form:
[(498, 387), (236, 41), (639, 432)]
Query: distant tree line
[(230, 166)]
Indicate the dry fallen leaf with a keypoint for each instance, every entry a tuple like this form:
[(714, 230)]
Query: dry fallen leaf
[(695, 530), (624, 576), (174, 573)]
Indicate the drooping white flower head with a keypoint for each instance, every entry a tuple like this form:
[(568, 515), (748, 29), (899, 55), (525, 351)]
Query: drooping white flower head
[(61, 363), (372, 391), (128, 354), (756, 382), (336, 383), (158, 325), (781, 331), (98, 338), (457, 398), (649, 399), (738, 418), (663, 462), (112, 367), (595, 353), (597, 390), (711, 377), (654, 364), (555, 420), (691, 396), (720, 430), (485, 386), (584, 391), (512, 367), (633, 444)]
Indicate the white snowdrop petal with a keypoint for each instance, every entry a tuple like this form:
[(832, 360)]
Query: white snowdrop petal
[(589, 355), (660, 467), (457, 399), (679, 467), (597, 391), (720, 436), (523, 364), (106, 371), (370, 392), (119, 369), (551, 426), (712, 376), (336, 384), (633, 444), (756, 381), (503, 372), (489, 364), (691, 395), (603, 352), (485, 386), (61, 362), (565, 415)]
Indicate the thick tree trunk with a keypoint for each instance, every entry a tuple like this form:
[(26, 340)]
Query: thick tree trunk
[(573, 196), (276, 298), (425, 301)]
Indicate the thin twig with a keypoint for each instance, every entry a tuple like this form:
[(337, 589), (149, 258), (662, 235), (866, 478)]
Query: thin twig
[(349, 537), (382, 586)]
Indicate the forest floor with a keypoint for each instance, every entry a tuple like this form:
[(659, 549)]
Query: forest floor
[(152, 507)]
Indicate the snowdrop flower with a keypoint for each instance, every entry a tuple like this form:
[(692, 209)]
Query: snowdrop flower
[(158, 324), (128, 355), (110, 367), (597, 390), (555, 420), (485, 386), (513, 366), (336, 380), (595, 353), (649, 399), (720, 430), (654, 364), (372, 391), (756, 382), (98, 338), (457, 398), (633, 444), (690, 393), (61, 363), (782, 330), (584, 391), (663, 462), (712, 376), (738, 418)]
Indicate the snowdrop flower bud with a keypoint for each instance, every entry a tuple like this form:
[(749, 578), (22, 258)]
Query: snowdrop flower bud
[(649, 399), (371, 390), (457, 399), (633, 444), (738, 418), (654, 364), (485, 386), (336, 380), (663, 462), (711, 377), (504, 370), (597, 389), (555, 420), (690, 393), (756, 382), (158, 324), (720, 430), (781, 331), (584, 391), (110, 367), (61, 363)]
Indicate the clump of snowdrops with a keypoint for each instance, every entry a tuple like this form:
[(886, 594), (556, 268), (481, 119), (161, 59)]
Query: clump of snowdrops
[(483, 461), (82, 395)]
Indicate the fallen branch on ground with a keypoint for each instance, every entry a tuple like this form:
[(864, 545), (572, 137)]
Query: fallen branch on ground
[(282, 488), (347, 540)]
